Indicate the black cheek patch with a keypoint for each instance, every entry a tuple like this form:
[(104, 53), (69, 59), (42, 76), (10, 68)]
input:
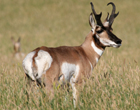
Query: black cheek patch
[(97, 41)]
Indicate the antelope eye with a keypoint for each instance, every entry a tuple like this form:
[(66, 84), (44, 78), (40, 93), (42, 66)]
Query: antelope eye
[(99, 31)]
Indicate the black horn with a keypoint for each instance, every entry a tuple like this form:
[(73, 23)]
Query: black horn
[(113, 15), (97, 16)]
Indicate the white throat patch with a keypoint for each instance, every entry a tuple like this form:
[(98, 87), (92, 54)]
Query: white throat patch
[(96, 49)]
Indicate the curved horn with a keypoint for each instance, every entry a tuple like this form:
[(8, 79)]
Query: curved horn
[(97, 16), (113, 15), (107, 18)]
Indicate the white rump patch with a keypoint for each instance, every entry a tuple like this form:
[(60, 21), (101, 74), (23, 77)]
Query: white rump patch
[(97, 50), (27, 65), (43, 62)]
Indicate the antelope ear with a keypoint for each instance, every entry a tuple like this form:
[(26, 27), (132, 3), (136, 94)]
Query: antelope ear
[(91, 21)]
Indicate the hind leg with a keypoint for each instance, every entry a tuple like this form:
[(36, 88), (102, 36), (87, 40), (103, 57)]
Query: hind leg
[(31, 85), (48, 86), (29, 81)]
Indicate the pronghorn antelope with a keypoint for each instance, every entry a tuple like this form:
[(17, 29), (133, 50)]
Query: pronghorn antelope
[(17, 47), (70, 64)]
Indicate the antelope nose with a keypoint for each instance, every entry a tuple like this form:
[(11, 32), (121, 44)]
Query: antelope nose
[(119, 41)]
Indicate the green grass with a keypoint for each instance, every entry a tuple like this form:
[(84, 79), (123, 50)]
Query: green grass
[(115, 82)]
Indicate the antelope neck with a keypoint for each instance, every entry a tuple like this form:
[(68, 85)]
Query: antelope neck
[(97, 47), (93, 48), (98, 50)]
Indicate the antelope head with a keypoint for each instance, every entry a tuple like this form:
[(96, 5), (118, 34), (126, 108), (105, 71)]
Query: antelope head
[(16, 44), (103, 32)]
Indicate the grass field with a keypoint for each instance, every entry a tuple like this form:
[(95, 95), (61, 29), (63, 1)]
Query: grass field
[(115, 82)]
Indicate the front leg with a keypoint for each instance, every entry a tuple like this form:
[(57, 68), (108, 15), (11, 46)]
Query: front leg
[(75, 93)]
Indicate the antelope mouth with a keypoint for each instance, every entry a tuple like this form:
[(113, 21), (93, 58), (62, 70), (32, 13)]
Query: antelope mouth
[(116, 45)]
